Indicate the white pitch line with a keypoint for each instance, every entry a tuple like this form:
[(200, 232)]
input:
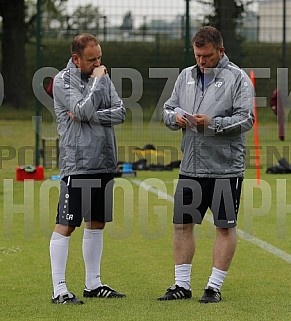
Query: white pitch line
[(242, 234)]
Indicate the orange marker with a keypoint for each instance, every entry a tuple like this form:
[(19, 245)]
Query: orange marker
[(256, 132)]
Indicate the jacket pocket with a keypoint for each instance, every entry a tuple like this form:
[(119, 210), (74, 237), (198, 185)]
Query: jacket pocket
[(215, 158)]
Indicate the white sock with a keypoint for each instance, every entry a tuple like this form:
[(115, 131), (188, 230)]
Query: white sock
[(183, 275), (92, 253), (216, 278), (59, 248)]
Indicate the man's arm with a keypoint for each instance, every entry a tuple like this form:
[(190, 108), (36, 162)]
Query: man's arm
[(171, 118), (242, 118), (69, 94), (113, 111)]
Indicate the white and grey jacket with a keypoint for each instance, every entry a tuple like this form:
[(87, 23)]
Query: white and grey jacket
[(87, 142), (219, 150)]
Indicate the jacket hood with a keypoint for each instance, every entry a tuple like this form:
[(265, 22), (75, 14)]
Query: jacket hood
[(77, 71), (70, 64)]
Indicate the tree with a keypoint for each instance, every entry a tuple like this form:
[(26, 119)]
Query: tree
[(127, 23), (226, 17), (17, 19), (53, 16), (13, 50), (85, 18)]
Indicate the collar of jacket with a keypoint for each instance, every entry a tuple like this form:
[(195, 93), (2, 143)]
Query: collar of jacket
[(72, 66), (223, 62)]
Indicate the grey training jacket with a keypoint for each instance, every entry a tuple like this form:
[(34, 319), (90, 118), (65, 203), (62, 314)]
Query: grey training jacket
[(219, 150), (87, 143)]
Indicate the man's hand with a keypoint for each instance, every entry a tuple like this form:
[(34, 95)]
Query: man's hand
[(181, 121), (197, 120), (200, 120), (99, 71), (71, 115)]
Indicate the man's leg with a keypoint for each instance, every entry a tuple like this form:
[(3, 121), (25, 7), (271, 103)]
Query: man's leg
[(224, 247), (59, 245), (183, 243), (223, 252), (92, 252), (184, 249)]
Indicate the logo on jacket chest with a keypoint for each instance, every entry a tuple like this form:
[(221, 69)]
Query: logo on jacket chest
[(220, 90), (218, 84)]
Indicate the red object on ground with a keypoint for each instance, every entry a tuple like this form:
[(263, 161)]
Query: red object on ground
[(29, 172)]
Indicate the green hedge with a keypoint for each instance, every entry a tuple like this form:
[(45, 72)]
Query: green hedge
[(143, 55)]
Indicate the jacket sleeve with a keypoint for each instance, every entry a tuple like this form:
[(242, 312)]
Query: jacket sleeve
[(242, 118), (97, 102), (70, 93), (169, 115), (111, 109)]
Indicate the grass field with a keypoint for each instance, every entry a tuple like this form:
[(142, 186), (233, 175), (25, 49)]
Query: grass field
[(137, 257)]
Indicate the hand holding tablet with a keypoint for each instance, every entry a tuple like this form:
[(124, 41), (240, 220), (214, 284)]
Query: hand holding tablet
[(187, 116)]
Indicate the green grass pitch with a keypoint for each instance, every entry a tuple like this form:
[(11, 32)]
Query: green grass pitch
[(137, 256)]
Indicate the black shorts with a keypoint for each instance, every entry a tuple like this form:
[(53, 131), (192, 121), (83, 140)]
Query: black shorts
[(88, 197), (194, 196)]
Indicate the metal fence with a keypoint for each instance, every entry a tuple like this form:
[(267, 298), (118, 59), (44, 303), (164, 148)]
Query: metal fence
[(158, 26), (126, 19), (141, 20)]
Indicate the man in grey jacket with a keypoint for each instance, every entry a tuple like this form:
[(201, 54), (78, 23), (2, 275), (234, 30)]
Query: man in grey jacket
[(212, 103), (87, 108)]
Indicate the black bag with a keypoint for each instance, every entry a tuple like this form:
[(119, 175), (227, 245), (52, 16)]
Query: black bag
[(282, 168)]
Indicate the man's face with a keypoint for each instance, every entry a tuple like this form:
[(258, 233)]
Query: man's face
[(207, 56), (90, 59)]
